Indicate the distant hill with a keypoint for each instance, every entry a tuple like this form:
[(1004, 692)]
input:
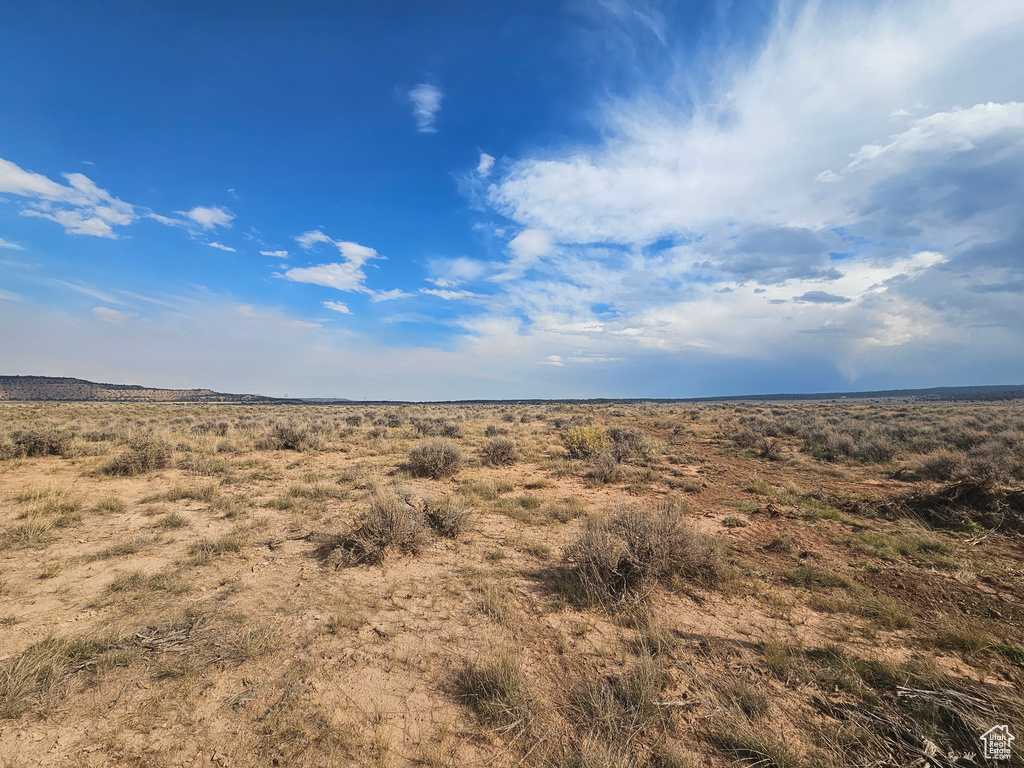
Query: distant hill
[(29, 388), (59, 388)]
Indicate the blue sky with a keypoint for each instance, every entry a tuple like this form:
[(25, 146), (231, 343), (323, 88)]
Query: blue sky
[(534, 199)]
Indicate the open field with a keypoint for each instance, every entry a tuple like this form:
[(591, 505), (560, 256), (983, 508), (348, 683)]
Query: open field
[(823, 584)]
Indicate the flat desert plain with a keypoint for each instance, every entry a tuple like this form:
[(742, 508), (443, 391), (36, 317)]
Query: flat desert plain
[(641, 584)]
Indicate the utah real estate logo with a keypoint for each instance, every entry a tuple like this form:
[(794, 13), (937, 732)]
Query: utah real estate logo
[(997, 742)]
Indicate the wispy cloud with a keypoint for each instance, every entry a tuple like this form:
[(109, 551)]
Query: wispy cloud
[(337, 306), (222, 247), (79, 206), (347, 275), (108, 315), (426, 103), (275, 254), (484, 167), (10, 246)]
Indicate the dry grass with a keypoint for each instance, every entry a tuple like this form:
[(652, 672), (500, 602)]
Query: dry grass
[(841, 584)]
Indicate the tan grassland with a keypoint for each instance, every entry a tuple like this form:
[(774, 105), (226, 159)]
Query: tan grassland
[(773, 584)]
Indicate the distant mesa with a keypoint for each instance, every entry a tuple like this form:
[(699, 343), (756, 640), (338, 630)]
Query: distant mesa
[(34, 388)]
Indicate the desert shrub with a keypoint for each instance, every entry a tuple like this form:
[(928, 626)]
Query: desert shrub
[(42, 441), (289, 436), (437, 458), (769, 448), (389, 525), (435, 427), (627, 553), (583, 442), (354, 421), (143, 455), (493, 430), (605, 468), (627, 443), (499, 450), (944, 465), (448, 516)]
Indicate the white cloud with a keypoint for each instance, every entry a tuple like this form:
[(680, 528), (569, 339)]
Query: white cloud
[(6, 244), (391, 295), (9, 295), (555, 360), (483, 168), (275, 254), (309, 239), (448, 295), (222, 247), (528, 247), (823, 85), (209, 217), (426, 103), (108, 315), (344, 276), (80, 206), (337, 306)]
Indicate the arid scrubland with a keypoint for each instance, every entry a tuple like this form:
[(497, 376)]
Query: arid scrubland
[(773, 584)]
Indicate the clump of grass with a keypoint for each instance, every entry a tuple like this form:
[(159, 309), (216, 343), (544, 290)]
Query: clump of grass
[(33, 532), (448, 515), (732, 521), (124, 548), (784, 544), (627, 553), (495, 601), (111, 505), (614, 710), (497, 691), (139, 581), (207, 492), (387, 526), (44, 670), (203, 551), (172, 521), (142, 455), (567, 509), (499, 450), (437, 458), (809, 576), (254, 642)]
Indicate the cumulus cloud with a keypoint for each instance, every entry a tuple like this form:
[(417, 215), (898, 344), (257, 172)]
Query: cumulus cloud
[(527, 248), (832, 196), (426, 103), (208, 218)]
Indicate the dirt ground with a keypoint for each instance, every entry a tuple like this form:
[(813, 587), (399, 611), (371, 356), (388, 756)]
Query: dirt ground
[(179, 585)]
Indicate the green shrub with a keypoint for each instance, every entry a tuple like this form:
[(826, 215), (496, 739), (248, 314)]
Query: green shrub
[(583, 442)]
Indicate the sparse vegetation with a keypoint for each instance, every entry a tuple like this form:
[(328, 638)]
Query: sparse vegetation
[(839, 582)]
